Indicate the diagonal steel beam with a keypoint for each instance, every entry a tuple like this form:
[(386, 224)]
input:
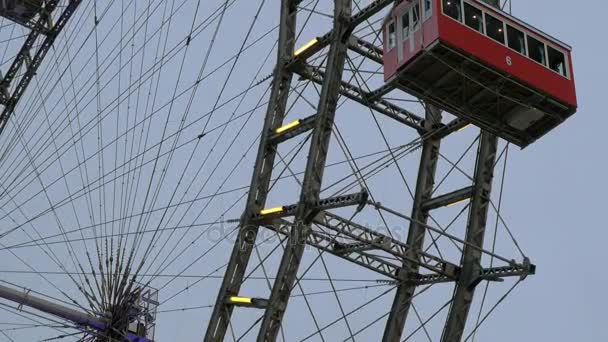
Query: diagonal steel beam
[(324, 40), (337, 233), (374, 99), (371, 99), (260, 181), (386, 244), (366, 49), (375, 53), (24, 58), (367, 12), (417, 230), (313, 176), (476, 226), (356, 94), (327, 243)]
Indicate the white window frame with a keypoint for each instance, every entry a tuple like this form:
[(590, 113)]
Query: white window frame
[(416, 26), (409, 24), (388, 35), (485, 28), (461, 11), (429, 13), (555, 47), (464, 17), (546, 52), (565, 60), (525, 39), (523, 27)]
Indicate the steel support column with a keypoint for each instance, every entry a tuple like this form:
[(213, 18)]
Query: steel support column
[(476, 227), (417, 230), (471, 257), (311, 185), (260, 181)]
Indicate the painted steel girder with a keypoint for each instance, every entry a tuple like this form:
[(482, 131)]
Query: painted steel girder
[(324, 40), (369, 11), (417, 231), (304, 126), (25, 54), (521, 270), (327, 243), (359, 199), (260, 181), (447, 199), (386, 244), (366, 49), (475, 232), (24, 12), (29, 60), (371, 99), (331, 233), (358, 95), (313, 176), (374, 53), (374, 101), (373, 241)]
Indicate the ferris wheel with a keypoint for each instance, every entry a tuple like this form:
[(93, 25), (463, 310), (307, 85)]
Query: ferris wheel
[(269, 170)]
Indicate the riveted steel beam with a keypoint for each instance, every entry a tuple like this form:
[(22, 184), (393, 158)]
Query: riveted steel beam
[(475, 232), (30, 57), (471, 258), (369, 11), (329, 244), (448, 199), (260, 180), (417, 230), (313, 175), (324, 40), (521, 270), (366, 49), (386, 244), (358, 95), (299, 127), (334, 231), (359, 199)]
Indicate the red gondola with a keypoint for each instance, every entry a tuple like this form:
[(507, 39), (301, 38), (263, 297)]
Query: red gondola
[(480, 64)]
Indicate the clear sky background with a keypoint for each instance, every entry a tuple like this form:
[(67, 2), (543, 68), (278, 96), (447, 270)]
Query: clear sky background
[(554, 196)]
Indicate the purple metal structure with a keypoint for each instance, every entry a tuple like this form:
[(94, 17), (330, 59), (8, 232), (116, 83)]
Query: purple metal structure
[(79, 318)]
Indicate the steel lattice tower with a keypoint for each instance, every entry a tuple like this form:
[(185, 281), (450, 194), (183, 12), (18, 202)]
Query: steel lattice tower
[(416, 267), (44, 26), (314, 219)]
